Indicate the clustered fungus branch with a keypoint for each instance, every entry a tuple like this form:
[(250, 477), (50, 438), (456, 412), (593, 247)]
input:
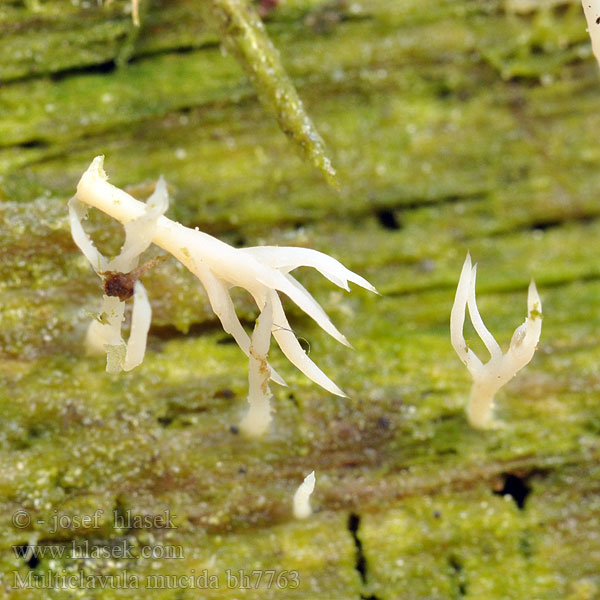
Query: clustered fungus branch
[(120, 282), (488, 378), (262, 271)]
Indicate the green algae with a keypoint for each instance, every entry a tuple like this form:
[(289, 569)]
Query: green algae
[(49, 48), (444, 143), (460, 545)]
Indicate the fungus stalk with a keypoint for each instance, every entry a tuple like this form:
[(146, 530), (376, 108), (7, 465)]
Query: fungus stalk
[(488, 378), (257, 419), (301, 500), (262, 271)]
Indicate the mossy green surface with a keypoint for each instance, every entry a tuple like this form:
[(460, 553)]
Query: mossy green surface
[(454, 126)]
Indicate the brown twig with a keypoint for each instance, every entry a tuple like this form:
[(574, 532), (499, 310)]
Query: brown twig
[(122, 284)]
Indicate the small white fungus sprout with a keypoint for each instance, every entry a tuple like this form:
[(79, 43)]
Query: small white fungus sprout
[(488, 378), (302, 507), (262, 271), (591, 9)]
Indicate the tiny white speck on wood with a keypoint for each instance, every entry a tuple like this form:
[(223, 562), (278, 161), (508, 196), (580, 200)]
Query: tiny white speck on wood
[(302, 508)]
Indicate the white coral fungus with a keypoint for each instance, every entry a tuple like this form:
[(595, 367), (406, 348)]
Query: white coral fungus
[(301, 500), (262, 271), (104, 334), (488, 378)]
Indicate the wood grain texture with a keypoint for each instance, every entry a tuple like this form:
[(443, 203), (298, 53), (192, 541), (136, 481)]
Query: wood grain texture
[(456, 125)]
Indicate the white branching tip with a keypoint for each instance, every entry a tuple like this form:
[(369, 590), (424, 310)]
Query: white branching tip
[(262, 271), (141, 315), (591, 9), (135, 12), (488, 378), (301, 501)]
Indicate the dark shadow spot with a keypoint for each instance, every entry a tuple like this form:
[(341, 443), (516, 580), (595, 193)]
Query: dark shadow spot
[(525, 547), (383, 423), (188, 49), (353, 525), (234, 429), (537, 49), (444, 91), (184, 49), (361, 563), (549, 224), (23, 551), (560, 10), (387, 219), (544, 225), (165, 421), (225, 394), (350, 464), (526, 81), (35, 431), (33, 144), (99, 69), (516, 487), (447, 452), (457, 575)]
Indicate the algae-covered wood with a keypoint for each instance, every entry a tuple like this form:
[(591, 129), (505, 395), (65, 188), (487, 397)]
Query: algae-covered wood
[(455, 125)]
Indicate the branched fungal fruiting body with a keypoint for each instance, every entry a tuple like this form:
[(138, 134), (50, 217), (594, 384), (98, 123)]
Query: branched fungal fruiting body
[(262, 271), (488, 378), (121, 281)]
